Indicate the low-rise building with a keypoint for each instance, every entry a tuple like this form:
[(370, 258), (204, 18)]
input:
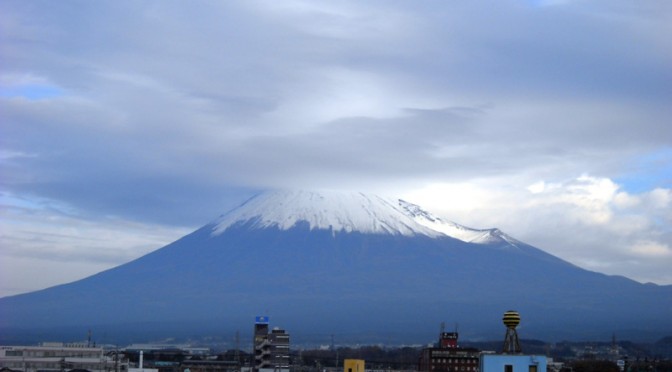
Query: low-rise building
[(60, 357), (512, 363)]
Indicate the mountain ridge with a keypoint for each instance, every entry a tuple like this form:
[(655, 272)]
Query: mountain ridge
[(395, 280)]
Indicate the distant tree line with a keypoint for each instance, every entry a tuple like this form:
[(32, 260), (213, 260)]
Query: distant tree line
[(650, 357)]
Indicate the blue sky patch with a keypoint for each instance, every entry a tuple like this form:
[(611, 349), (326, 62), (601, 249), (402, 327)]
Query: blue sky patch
[(31, 92), (649, 172)]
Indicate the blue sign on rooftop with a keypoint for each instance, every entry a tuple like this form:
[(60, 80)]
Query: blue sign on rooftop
[(261, 320)]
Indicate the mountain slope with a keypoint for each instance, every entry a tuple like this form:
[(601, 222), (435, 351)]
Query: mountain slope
[(345, 263)]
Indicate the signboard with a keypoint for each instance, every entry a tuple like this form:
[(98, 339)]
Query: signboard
[(261, 320)]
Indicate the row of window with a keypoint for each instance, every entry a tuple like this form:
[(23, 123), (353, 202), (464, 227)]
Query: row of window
[(52, 353), (456, 360), (509, 368), (54, 365), (459, 368), (448, 352)]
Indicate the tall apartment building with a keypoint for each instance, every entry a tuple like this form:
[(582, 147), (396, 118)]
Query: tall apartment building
[(271, 349), (262, 347)]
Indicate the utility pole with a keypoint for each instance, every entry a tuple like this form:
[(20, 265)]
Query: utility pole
[(333, 347), (236, 354)]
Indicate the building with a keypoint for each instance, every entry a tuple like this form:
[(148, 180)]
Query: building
[(209, 366), (279, 344), (353, 365), (448, 356), (512, 363), (271, 350), (262, 347), (185, 349), (60, 357), (141, 366)]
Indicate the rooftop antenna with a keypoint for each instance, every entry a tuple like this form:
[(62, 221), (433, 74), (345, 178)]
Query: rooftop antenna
[(511, 320), (88, 340)]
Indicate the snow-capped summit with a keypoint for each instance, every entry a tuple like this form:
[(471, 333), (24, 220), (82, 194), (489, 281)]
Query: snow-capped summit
[(349, 212), (335, 210)]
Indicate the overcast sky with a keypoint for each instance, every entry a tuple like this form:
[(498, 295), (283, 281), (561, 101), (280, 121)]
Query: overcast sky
[(127, 124)]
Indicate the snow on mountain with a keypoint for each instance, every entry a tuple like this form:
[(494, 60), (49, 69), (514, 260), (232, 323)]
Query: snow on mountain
[(339, 211), (348, 212), (453, 229)]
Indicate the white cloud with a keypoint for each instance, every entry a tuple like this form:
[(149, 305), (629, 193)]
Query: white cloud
[(659, 198), (588, 221), (46, 237), (625, 200), (587, 199), (460, 198), (537, 187), (652, 249), (335, 93)]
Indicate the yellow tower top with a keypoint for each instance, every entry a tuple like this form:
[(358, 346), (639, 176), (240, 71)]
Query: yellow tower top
[(511, 319)]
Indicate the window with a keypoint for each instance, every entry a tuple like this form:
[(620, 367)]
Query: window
[(508, 368), (533, 368)]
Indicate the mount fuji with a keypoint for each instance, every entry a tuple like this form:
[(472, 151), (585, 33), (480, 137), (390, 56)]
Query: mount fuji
[(363, 267)]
